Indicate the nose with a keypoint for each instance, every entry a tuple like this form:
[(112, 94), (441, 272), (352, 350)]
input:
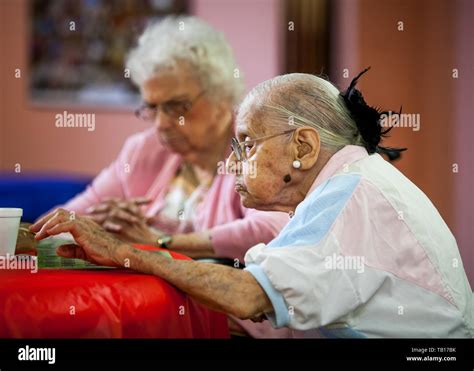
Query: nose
[(232, 164), (162, 121)]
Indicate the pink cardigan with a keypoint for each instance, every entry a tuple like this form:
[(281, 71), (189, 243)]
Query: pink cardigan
[(145, 167)]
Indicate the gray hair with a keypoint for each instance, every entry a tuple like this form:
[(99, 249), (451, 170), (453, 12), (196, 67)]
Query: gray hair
[(190, 40), (300, 100)]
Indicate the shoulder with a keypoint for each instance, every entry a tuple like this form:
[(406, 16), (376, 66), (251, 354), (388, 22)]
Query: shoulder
[(315, 216), (331, 195)]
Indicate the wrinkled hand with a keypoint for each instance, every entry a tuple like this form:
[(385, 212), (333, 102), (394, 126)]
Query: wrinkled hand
[(115, 208), (125, 219), (94, 244)]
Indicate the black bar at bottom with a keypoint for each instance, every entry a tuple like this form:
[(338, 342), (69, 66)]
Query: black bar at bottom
[(425, 353)]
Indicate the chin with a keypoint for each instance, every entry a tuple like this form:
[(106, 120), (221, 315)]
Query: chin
[(174, 144), (262, 207), (248, 202), (178, 148)]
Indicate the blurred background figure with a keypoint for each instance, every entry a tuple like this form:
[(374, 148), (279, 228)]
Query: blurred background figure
[(421, 54), (167, 186)]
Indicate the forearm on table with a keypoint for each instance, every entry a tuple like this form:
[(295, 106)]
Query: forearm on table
[(231, 240), (219, 287)]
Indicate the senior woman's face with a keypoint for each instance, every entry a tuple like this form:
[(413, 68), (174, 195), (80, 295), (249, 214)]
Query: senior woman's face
[(203, 122), (266, 178), (260, 181)]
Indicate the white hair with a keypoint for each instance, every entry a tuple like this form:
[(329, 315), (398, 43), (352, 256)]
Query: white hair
[(190, 40), (299, 100)]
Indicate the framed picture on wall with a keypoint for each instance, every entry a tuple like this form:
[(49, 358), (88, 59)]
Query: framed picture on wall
[(78, 49)]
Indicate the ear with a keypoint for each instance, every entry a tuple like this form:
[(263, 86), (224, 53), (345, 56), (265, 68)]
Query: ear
[(307, 145)]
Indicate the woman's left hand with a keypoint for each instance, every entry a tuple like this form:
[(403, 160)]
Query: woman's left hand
[(94, 244)]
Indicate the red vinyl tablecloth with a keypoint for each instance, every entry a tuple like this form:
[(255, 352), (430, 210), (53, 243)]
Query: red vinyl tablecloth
[(100, 304)]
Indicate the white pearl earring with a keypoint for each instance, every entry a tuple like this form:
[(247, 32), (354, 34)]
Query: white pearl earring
[(296, 164)]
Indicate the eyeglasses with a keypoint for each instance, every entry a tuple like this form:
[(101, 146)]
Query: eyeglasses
[(240, 148), (174, 108)]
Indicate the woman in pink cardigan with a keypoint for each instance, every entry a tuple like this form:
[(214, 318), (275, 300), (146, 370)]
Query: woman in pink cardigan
[(168, 186)]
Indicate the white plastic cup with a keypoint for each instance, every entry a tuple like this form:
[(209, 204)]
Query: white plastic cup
[(9, 225)]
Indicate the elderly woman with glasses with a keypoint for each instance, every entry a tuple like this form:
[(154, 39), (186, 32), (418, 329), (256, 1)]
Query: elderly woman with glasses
[(365, 254), (168, 186)]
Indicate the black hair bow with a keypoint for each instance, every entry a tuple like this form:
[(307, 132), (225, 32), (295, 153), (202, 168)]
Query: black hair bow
[(368, 120)]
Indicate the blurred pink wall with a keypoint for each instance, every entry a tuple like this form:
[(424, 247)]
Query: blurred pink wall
[(254, 28), (28, 135), (464, 134)]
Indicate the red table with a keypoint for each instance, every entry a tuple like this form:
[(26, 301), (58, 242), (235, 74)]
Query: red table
[(100, 304)]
